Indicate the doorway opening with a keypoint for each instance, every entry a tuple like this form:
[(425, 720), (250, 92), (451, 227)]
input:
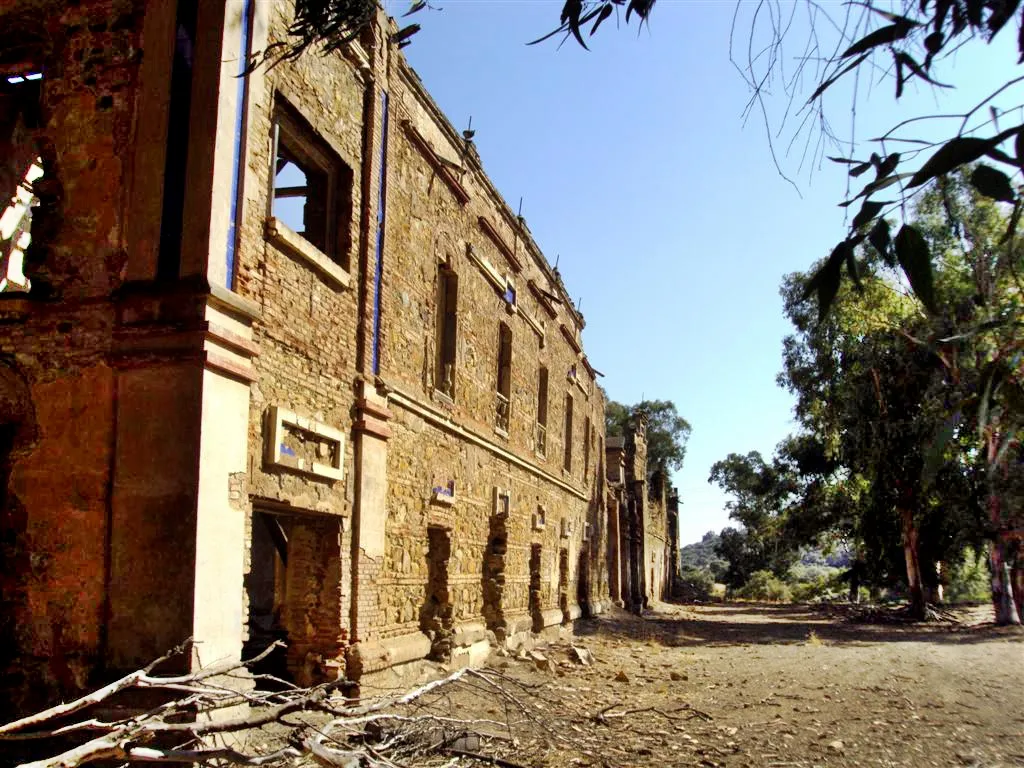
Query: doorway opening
[(436, 615), (563, 584), (494, 577)]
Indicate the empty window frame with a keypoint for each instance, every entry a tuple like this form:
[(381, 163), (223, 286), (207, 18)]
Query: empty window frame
[(541, 439), (503, 405), (567, 458), (586, 446), (312, 187), (447, 330), (21, 170)]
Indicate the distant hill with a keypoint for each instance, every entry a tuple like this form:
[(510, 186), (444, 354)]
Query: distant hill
[(702, 556)]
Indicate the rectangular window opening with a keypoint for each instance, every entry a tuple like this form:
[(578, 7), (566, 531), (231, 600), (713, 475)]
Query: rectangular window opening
[(542, 411), (504, 388), (567, 459), (312, 187), (21, 172), (586, 445), (447, 304), (179, 121)]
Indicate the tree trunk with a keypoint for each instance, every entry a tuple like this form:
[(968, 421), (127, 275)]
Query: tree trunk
[(914, 582), (1002, 582), (1002, 585)]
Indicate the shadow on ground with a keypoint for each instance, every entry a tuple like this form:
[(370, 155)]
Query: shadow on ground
[(768, 624)]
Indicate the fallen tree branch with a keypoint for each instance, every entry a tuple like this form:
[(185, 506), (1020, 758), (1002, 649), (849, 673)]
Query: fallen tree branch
[(334, 732)]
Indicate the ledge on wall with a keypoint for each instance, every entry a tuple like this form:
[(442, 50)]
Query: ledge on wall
[(296, 246)]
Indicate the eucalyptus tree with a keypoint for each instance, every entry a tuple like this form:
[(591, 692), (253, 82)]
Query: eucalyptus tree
[(667, 431)]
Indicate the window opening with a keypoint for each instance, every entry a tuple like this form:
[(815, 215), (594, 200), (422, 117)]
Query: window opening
[(503, 402), (567, 458), (494, 575), (542, 411), (21, 169), (583, 582), (176, 157), (563, 584), (447, 329), (586, 446), (536, 599), (312, 188)]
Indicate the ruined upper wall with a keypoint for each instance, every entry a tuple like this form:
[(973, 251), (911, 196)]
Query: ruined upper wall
[(444, 213)]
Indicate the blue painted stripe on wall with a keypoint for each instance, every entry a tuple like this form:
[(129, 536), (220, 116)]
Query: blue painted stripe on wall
[(381, 219), (236, 168)]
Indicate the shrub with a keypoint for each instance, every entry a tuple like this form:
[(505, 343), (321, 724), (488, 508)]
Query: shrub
[(694, 584), (817, 583), (764, 585), (969, 580)]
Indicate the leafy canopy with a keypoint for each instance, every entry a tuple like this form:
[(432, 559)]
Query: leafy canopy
[(667, 431)]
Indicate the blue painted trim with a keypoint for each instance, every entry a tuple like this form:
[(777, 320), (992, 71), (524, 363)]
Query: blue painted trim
[(236, 168), (381, 219)]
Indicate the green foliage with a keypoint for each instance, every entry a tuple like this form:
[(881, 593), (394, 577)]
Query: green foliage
[(616, 418), (969, 580), (817, 583), (667, 431), (694, 584), (885, 452), (703, 556), (328, 25), (764, 585)]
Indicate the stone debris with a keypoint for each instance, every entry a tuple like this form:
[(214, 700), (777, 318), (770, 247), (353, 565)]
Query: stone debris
[(542, 662), (580, 655), (621, 677)]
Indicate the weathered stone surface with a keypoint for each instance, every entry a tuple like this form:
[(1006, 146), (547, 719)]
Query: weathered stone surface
[(142, 441)]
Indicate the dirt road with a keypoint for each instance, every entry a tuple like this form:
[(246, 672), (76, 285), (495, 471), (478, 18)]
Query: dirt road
[(746, 685)]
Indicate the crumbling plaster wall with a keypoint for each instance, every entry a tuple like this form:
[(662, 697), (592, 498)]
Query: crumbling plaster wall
[(55, 528)]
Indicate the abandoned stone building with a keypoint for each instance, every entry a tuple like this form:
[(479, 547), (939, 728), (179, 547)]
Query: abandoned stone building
[(277, 361), (643, 519)]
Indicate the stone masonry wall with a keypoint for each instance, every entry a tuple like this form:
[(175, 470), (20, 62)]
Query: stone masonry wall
[(307, 333), (437, 198), (53, 523)]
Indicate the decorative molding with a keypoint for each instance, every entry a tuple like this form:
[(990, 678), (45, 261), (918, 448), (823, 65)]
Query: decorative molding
[(502, 502), (436, 162), (295, 245), (543, 298), (594, 373), (495, 237), (540, 518), (571, 338), (231, 340), (506, 288), (443, 496), (443, 421), (500, 282), (279, 454), (230, 368), (537, 327), (231, 303)]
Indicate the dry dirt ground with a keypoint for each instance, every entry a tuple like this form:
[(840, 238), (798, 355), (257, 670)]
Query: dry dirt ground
[(754, 685)]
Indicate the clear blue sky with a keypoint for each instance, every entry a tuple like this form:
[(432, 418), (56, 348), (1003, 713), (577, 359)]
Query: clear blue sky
[(666, 213)]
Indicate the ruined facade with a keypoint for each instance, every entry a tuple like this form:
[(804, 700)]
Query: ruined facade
[(643, 519), (283, 365)]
